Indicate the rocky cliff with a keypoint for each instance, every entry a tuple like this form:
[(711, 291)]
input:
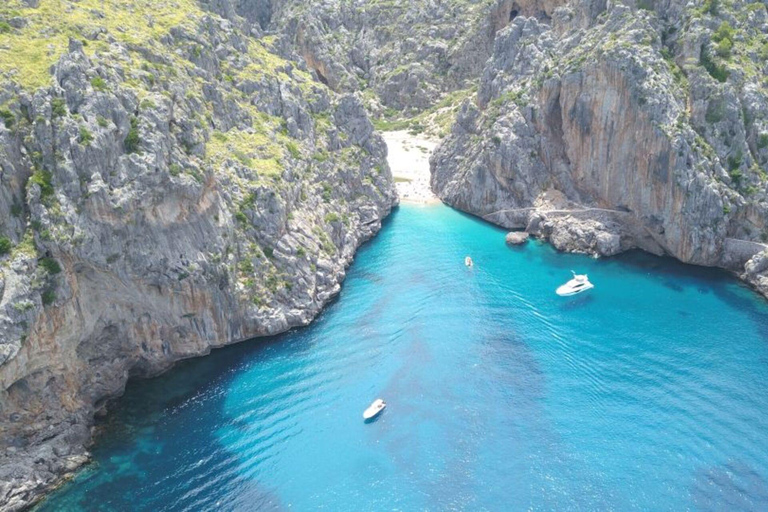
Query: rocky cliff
[(404, 54), (609, 126), (168, 185), (413, 61), (181, 174)]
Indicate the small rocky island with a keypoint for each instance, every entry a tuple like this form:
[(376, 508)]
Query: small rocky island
[(179, 175)]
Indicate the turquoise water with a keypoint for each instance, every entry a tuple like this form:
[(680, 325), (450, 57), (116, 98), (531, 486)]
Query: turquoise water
[(648, 392)]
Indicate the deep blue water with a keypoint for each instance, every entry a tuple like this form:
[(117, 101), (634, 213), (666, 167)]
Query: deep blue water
[(648, 392)]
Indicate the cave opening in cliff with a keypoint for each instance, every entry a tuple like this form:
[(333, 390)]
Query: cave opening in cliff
[(256, 11), (513, 14)]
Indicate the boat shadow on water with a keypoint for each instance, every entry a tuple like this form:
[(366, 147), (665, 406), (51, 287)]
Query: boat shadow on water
[(375, 418), (577, 302)]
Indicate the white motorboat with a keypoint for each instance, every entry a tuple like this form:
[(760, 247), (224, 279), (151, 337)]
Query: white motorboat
[(579, 283), (375, 408), (468, 261)]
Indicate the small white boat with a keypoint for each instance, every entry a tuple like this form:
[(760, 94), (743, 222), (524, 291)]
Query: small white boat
[(579, 283), (468, 261), (376, 407)]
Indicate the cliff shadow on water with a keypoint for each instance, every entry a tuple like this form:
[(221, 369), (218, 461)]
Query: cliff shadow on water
[(164, 423)]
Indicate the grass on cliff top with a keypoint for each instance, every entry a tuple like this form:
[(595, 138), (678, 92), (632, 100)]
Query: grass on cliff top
[(27, 54)]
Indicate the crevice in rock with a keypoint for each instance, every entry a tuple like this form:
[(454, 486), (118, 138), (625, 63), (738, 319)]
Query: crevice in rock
[(553, 151), (256, 11), (320, 76), (502, 15)]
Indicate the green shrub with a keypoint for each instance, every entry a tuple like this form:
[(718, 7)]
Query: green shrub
[(712, 7), (102, 121), (269, 252), (58, 107), (293, 150), (243, 158), (385, 125), (646, 5), (724, 31), (723, 36), (85, 136), (241, 217), (327, 192), (416, 129), (132, 140), (5, 245), (723, 48), (99, 83), (246, 266), (16, 210), (249, 200), (751, 190), (45, 180), (734, 162), (5, 27), (762, 53), (762, 141), (715, 111), (8, 118), (331, 217), (51, 265), (48, 296), (716, 71)]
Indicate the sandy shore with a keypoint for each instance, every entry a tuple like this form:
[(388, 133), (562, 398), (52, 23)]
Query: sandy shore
[(408, 158)]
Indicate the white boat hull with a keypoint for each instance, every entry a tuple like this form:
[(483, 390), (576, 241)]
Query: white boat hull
[(375, 409), (567, 291)]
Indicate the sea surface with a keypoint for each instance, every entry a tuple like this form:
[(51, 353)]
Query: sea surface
[(649, 392)]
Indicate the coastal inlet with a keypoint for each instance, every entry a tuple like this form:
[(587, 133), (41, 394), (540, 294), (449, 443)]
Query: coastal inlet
[(648, 392)]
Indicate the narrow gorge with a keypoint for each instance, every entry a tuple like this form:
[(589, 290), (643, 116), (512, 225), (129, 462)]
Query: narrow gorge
[(180, 175)]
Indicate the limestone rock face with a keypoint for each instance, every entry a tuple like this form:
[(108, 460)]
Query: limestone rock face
[(407, 53), (645, 122), (756, 272), (517, 237), (161, 197)]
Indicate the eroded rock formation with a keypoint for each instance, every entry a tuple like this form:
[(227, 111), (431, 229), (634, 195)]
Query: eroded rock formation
[(612, 126)]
